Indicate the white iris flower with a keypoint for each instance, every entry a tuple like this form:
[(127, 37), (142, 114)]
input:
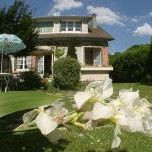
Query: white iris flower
[(45, 123), (129, 113), (95, 92)]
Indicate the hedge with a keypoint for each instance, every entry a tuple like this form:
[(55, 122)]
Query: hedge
[(130, 65)]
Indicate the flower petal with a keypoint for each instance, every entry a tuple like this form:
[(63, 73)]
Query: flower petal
[(102, 111), (95, 87), (81, 97), (129, 97), (45, 123), (107, 88), (104, 88), (116, 141)]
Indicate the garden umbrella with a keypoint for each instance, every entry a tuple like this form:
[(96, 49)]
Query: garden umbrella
[(9, 44)]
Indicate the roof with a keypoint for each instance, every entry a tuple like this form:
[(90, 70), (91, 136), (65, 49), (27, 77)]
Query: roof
[(48, 18), (98, 33)]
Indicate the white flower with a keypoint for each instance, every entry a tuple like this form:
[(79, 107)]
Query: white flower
[(103, 88), (81, 98), (129, 121), (128, 97), (45, 123), (95, 92), (116, 140), (102, 111)]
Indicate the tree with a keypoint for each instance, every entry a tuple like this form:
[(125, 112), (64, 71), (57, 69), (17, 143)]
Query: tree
[(129, 66), (17, 19), (71, 49), (148, 67)]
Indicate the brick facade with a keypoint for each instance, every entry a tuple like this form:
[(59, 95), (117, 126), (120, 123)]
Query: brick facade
[(105, 56)]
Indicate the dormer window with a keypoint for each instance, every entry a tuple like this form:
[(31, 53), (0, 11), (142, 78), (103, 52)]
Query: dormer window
[(63, 26), (78, 26), (45, 27), (71, 26)]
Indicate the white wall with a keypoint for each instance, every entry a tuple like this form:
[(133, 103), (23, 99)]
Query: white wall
[(84, 27), (79, 52), (94, 75), (56, 28)]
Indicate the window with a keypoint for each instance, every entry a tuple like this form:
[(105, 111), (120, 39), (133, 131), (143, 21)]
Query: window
[(24, 63), (92, 56), (45, 27), (78, 26), (70, 26), (63, 26), (97, 57)]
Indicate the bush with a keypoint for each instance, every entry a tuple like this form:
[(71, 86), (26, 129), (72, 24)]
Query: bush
[(30, 80), (48, 85), (130, 65), (58, 53), (66, 73)]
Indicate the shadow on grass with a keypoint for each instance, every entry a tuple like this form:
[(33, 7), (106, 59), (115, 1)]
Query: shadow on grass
[(31, 141), (13, 120)]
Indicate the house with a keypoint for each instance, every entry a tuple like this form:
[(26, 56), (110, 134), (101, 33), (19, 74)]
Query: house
[(56, 32)]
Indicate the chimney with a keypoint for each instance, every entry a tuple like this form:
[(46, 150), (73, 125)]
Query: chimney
[(94, 21)]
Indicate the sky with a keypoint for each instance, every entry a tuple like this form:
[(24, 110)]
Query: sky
[(128, 21)]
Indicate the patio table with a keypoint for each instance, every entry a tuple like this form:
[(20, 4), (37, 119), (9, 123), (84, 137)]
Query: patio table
[(6, 77)]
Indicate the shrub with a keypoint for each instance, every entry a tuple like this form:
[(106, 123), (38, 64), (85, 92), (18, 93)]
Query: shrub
[(48, 85), (59, 53), (130, 65), (30, 80), (66, 73), (148, 67)]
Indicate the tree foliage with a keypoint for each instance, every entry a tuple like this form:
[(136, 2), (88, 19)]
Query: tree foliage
[(17, 19), (148, 67), (130, 65), (71, 49)]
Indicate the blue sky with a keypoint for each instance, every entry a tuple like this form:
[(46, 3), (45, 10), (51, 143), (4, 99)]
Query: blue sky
[(128, 21)]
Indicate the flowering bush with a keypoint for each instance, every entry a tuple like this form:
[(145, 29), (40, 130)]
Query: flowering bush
[(128, 112)]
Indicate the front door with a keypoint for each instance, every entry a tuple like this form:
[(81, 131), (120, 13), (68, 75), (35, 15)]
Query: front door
[(47, 65)]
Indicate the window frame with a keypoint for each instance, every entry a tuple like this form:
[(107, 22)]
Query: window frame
[(79, 27), (100, 55), (24, 65), (73, 26), (63, 27), (42, 27)]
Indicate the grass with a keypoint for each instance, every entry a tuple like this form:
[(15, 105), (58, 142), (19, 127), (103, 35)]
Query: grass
[(77, 140), (20, 100)]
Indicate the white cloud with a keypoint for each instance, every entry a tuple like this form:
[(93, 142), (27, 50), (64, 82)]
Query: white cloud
[(105, 15), (134, 20), (150, 14), (61, 5), (146, 29)]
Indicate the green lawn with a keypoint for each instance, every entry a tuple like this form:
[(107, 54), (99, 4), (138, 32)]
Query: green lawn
[(98, 140), (20, 100)]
